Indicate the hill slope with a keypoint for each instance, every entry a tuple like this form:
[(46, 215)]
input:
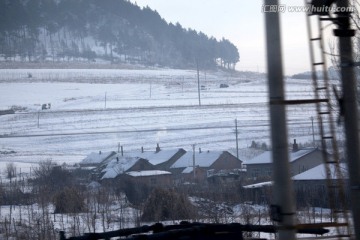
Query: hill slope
[(111, 30)]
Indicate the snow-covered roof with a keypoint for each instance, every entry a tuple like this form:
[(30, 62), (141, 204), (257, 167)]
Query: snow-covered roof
[(95, 158), (156, 158), (203, 159), (318, 173), (115, 167), (148, 173), (259, 185), (94, 185), (266, 157), (188, 170)]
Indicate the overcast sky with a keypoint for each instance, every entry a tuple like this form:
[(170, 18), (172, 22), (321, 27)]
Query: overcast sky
[(242, 22)]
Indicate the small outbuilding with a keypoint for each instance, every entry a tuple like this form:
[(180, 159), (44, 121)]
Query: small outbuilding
[(153, 178)]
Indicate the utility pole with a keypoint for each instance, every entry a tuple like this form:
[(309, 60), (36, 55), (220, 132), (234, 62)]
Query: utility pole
[(193, 146), (237, 144), (150, 88), (105, 99), (283, 208), (182, 85), (313, 133), (351, 118), (198, 80)]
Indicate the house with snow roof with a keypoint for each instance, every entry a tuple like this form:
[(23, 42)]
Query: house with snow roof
[(139, 161), (202, 164), (95, 159), (162, 159), (152, 178), (120, 164), (311, 186), (261, 167)]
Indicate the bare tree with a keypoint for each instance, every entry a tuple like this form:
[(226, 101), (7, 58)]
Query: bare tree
[(333, 45), (44, 169), (10, 170)]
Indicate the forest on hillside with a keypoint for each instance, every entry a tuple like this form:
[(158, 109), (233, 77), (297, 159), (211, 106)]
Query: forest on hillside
[(116, 31)]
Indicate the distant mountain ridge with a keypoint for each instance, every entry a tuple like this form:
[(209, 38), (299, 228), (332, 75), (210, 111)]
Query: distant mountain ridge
[(115, 31), (332, 73)]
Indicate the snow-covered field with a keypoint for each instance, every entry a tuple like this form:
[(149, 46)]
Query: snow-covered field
[(96, 109)]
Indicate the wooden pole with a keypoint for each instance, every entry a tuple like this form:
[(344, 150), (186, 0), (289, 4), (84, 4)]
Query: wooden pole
[(283, 208), (350, 105), (105, 99), (193, 146), (198, 80), (237, 143), (313, 133)]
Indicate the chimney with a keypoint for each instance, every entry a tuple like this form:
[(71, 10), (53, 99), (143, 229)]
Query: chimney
[(99, 152), (199, 150), (142, 149), (122, 151), (157, 148), (295, 146)]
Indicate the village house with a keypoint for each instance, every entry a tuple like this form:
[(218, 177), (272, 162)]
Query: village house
[(95, 159), (205, 163), (260, 167), (311, 186), (161, 159), (152, 178), (120, 164), (214, 166)]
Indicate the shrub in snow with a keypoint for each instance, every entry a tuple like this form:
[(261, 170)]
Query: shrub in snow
[(69, 200), (164, 204)]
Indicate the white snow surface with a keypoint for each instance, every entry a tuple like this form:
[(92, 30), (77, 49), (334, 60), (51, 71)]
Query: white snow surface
[(96, 109), (319, 173), (188, 170), (203, 159), (154, 157), (266, 157), (147, 173), (259, 185), (315, 173), (115, 167), (122, 162), (95, 158)]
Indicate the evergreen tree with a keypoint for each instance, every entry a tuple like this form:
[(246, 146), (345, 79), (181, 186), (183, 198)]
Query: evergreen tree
[(63, 28)]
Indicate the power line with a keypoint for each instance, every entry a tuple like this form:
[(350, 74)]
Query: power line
[(230, 105), (112, 132), (300, 125), (203, 106)]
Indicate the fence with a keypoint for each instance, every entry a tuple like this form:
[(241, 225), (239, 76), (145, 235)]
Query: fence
[(185, 230)]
